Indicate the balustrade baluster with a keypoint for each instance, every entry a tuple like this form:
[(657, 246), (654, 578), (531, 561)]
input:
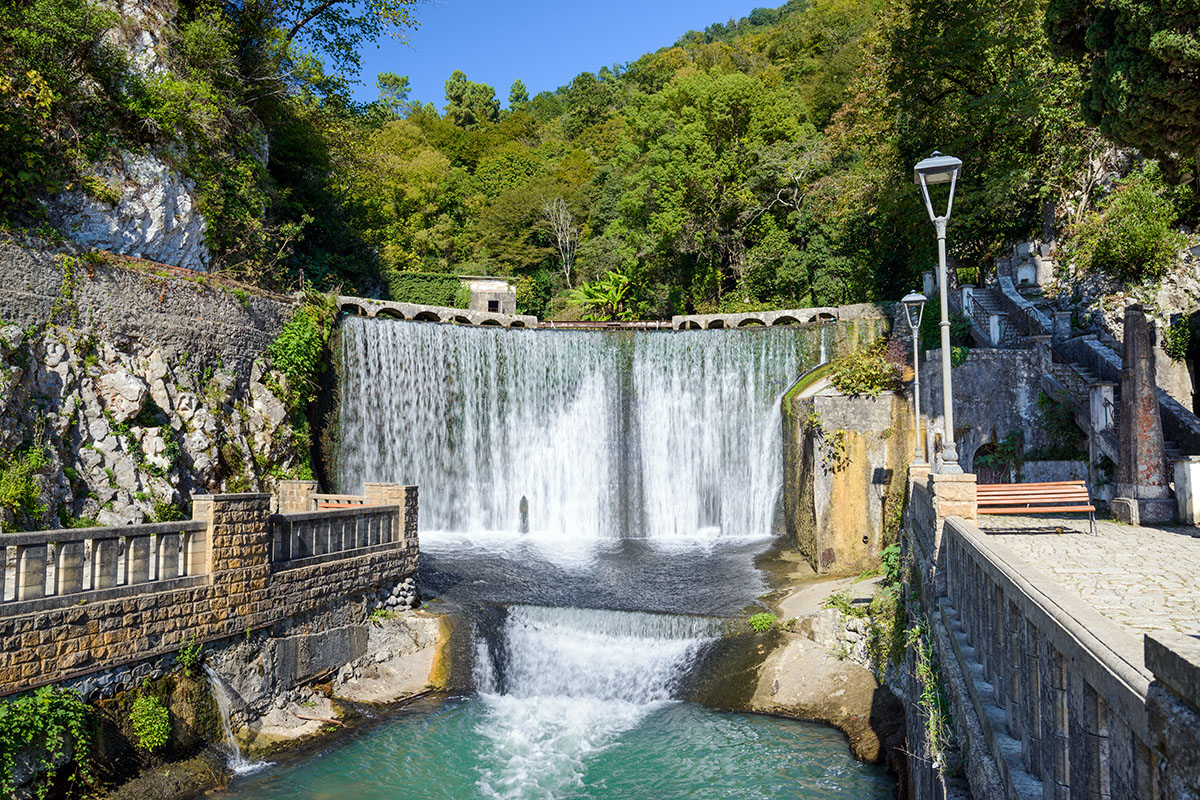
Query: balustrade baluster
[(137, 559), (31, 572), (104, 562), (68, 568)]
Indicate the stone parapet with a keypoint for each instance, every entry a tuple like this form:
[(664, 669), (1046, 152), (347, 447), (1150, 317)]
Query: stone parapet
[(225, 581)]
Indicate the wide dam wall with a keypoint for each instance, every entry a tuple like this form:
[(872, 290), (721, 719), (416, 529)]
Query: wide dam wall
[(578, 435)]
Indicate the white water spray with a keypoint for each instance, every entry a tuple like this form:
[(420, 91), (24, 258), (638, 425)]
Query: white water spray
[(237, 762), (668, 436), (565, 683)]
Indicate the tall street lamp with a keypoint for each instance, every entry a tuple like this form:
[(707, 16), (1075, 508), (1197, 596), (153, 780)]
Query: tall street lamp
[(914, 309), (934, 170)]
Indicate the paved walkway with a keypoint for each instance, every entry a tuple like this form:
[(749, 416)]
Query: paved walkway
[(1147, 579)]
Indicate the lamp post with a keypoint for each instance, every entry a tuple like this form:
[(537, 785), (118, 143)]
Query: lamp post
[(932, 171), (914, 309)]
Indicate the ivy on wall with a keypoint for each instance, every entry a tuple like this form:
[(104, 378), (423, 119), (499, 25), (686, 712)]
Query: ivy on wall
[(428, 289)]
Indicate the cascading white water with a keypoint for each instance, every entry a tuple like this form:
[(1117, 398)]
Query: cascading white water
[(561, 684), (648, 434), (237, 762)]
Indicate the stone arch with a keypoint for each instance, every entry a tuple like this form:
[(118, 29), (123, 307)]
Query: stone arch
[(388, 312), (715, 324), (689, 325), (491, 322), (786, 319), (462, 319), (985, 473), (751, 322), (516, 323), (353, 309), (427, 316), (825, 316)]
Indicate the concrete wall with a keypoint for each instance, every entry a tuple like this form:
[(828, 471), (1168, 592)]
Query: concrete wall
[(844, 467), (243, 590)]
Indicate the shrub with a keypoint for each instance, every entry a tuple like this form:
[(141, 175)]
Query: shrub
[(54, 719), (20, 489), (931, 331), (424, 288), (1177, 338), (151, 722), (298, 349), (189, 655), (763, 621), (1130, 236), (866, 371)]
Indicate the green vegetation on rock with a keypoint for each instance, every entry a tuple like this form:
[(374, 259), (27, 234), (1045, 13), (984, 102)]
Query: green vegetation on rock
[(151, 722), (52, 726)]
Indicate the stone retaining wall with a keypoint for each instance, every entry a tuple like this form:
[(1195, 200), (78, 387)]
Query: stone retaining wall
[(244, 590), (1047, 698)]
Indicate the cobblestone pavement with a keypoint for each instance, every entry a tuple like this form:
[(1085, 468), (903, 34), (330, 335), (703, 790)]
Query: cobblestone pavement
[(1147, 579)]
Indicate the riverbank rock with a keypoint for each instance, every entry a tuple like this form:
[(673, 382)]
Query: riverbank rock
[(401, 653), (803, 680)]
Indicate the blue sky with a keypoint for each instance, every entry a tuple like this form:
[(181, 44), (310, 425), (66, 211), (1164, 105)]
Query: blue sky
[(542, 42)]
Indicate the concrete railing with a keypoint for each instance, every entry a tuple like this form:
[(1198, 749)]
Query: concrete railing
[(52, 569), (1070, 686), (319, 533)]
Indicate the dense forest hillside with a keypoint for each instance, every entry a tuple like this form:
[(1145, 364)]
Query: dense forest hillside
[(763, 162)]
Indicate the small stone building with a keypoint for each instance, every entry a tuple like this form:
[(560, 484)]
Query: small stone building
[(495, 295)]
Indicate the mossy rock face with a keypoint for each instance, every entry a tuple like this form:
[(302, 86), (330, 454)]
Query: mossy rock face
[(195, 723)]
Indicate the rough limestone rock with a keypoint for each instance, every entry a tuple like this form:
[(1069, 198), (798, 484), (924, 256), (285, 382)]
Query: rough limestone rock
[(124, 394), (801, 679), (156, 217)]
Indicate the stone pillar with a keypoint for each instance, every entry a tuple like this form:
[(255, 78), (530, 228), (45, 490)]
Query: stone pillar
[(1173, 711), (1062, 325), (1143, 493), (294, 496), (950, 496), (239, 537), (1187, 489), (928, 287), (410, 510), (1100, 396)]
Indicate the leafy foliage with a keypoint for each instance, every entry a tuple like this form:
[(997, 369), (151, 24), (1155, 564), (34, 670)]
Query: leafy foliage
[(20, 489), (151, 722), (762, 621), (51, 723), (1130, 236), (189, 655), (1177, 339), (299, 348), (866, 371), (425, 288)]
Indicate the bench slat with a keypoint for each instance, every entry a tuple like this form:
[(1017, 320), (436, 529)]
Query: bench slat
[(1037, 510), (1035, 498)]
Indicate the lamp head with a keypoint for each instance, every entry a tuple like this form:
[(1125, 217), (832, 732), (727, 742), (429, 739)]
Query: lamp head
[(914, 308), (937, 169)]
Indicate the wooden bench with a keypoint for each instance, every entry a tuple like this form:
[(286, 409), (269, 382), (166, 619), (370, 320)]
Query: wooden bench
[(1036, 498)]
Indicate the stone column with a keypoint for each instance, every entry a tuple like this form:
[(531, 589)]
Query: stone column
[(1143, 494), (1062, 325), (239, 536), (951, 496), (294, 496), (1187, 489)]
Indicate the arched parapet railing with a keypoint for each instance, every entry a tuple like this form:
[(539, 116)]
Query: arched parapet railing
[(825, 316), (689, 325), (462, 319), (389, 312), (427, 316), (491, 322), (516, 323), (353, 309), (716, 324), (785, 319), (750, 322)]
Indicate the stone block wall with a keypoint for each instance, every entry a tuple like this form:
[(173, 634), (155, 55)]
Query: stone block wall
[(243, 591)]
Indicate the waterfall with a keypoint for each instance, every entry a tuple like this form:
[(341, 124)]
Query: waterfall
[(563, 683), (237, 762), (572, 435)]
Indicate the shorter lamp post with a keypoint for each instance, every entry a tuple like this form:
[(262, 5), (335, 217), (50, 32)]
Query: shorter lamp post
[(914, 309)]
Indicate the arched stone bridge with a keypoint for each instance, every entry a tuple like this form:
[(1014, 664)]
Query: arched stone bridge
[(800, 316), (365, 307)]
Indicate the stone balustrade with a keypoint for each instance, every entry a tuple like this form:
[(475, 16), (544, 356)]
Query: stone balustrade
[(51, 569), (81, 601), (1060, 690)]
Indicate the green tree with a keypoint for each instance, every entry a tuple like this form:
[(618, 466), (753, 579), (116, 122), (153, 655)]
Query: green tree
[(470, 104), (518, 95), (1143, 61), (393, 92), (335, 29)]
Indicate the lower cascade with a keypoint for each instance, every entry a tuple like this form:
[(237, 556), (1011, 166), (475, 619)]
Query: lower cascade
[(561, 683), (238, 763)]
